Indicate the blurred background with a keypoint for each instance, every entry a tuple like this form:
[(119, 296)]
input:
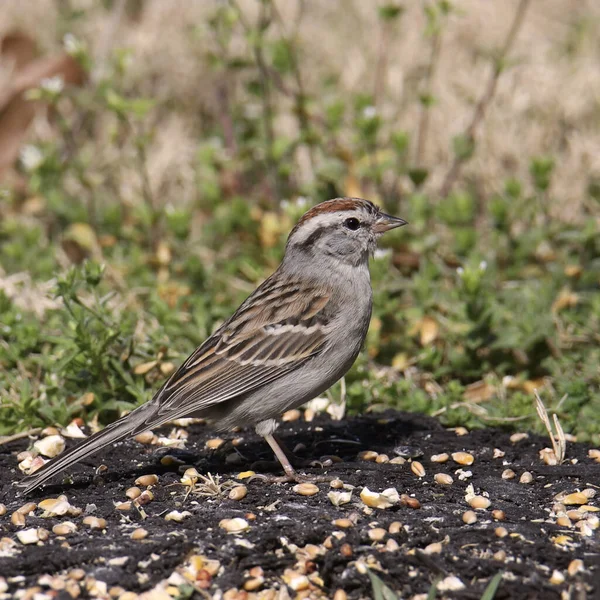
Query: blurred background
[(154, 154)]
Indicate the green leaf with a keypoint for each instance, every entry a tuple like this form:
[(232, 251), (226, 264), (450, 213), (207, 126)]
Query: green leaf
[(390, 12), (492, 588), (463, 146), (380, 590)]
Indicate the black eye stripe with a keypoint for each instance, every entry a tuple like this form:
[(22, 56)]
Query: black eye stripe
[(352, 223)]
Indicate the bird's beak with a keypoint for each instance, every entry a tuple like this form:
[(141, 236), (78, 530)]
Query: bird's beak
[(386, 222)]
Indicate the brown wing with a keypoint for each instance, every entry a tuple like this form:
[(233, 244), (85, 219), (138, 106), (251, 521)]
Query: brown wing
[(275, 331)]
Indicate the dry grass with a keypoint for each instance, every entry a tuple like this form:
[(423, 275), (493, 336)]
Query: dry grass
[(546, 103)]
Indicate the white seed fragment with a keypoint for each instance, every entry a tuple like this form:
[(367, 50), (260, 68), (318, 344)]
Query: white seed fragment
[(94, 522), (139, 534), (28, 536), (177, 516), (64, 528), (479, 502), (463, 458), (296, 581), (239, 492), (508, 474), (460, 431), (556, 578), (434, 548), (417, 468), (526, 477), (594, 454), (439, 458), (306, 489), (499, 453), (146, 480), (443, 479), (54, 507), (377, 534), (451, 584), (518, 437), (469, 517), (50, 446), (236, 525), (339, 498)]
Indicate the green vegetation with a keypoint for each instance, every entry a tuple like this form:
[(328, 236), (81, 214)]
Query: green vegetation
[(110, 275)]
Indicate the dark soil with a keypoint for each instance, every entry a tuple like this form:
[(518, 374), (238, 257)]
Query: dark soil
[(282, 521)]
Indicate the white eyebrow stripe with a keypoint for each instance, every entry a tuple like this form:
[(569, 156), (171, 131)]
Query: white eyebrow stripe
[(321, 221)]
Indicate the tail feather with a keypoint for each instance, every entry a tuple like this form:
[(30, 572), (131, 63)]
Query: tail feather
[(136, 421)]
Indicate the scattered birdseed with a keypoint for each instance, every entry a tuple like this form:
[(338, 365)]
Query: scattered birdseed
[(64, 528), (501, 532), (594, 454), (346, 550), (235, 525), (94, 522), (409, 501), (556, 578), (246, 474), (144, 498), (564, 521), (239, 492), (439, 458), (417, 468), (54, 507), (499, 556), (479, 502), (443, 479), (377, 534), (146, 437), (133, 492), (382, 458), (395, 527), (295, 581), (498, 515), (50, 446), (146, 480), (450, 584), (17, 519), (306, 489), (2, 510), (254, 583), (547, 456), (214, 443), (499, 453), (526, 477), (518, 437), (434, 548), (27, 508), (508, 474), (397, 460), (340, 595), (343, 523), (575, 566), (291, 415), (386, 499), (28, 536), (368, 455), (392, 545), (460, 431), (139, 534), (336, 484), (339, 498), (123, 506), (177, 516), (463, 458), (469, 517)]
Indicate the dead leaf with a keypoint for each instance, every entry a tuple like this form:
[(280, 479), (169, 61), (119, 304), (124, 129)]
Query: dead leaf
[(480, 391), (428, 330), (565, 299)]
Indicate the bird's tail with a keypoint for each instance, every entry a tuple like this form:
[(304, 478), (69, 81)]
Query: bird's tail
[(135, 422)]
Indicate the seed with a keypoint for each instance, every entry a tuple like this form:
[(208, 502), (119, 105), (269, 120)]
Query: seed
[(397, 460), (589, 493), (518, 437), (236, 525), (339, 498), (123, 506), (368, 455), (594, 454), (377, 534), (64, 528), (190, 477), (508, 474), (346, 550), (575, 566), (451, 584), (146, 480), (556, 578), (564, 521), (500, 555), (214, 443), (593, 522), (177, 516), (460, 431), (296, 581), (17, 519), (144, 498), (469, 517), (498, 515), (254, 583), (340, 595), (463, 458), (548, 456), (395, 527), (28, 536), (527, 477), (434, 548), (479, 502), (382, 458), (575, 515), (501, 532), (50, 446), (336, 484), (146, 437), (246, 474), (2, 510), (306, 489), (54, 507), (443, 479), (575, 498), (499, 453), (94, 522), (374, 500), (439, 458), (417, 468), (238, 492), (139, 534), (27, 509), (410, 501), (343, 523), (133, 492), (291, 415)]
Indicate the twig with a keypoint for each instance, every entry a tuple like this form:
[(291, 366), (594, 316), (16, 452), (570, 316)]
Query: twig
[(7, 439), (558, 439), (486, 98)]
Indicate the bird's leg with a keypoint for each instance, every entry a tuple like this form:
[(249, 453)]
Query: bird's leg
[(290, 472)]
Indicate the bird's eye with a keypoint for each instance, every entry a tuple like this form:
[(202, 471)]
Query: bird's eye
[(352, 223)]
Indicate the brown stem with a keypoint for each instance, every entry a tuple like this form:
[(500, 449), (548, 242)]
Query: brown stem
[(487, 96)]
